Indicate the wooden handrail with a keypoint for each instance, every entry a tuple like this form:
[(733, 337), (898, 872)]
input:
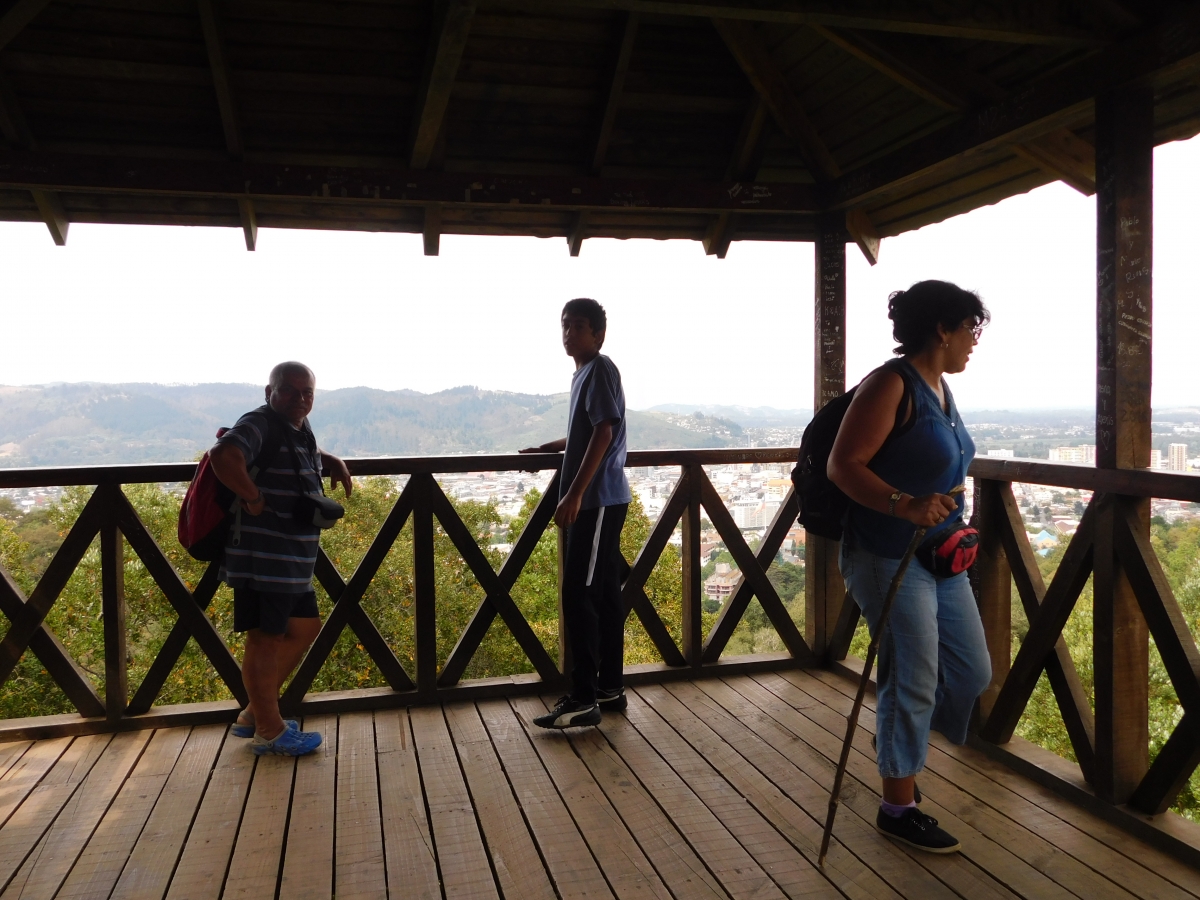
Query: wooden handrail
[(1126, 482), (160, 473)]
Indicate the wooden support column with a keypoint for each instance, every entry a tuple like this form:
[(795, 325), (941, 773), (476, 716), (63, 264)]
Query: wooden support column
[(112, 591), (991, 577), (425, 599), (693, 588), (1124, 209), (823, 588)]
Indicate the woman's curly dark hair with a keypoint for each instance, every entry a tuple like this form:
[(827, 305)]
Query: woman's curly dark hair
[(917, 312)]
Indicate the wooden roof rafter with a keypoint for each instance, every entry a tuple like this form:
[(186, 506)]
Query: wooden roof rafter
[(227, 106), (1061, 153), (743, 166), (15, 127), (448, 39), (1046, 22), (608, 119), (1171, 47)]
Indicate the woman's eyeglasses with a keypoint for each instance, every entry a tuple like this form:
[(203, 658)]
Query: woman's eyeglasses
[(977, 331)]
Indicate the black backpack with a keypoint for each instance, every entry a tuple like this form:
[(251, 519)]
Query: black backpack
[(822, 504)]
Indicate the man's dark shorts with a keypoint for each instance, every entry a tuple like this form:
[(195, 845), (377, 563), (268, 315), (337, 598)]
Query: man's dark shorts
[(269, 611)]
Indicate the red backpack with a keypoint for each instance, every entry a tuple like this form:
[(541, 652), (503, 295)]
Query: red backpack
[(209, 506)]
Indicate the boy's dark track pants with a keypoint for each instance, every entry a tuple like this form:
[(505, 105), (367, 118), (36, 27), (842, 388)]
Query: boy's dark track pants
[(592, 608)]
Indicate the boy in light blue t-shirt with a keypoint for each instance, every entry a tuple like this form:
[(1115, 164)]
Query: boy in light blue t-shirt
[(594, 498)]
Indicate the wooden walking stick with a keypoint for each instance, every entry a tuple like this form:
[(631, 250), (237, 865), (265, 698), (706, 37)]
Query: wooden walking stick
[(872, 649), (852, 722)]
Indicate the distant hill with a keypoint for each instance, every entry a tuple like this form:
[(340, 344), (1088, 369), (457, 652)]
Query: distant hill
[(745, 416), (93, 424)]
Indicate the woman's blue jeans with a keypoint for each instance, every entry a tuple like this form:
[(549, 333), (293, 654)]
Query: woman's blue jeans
[(933, 659)]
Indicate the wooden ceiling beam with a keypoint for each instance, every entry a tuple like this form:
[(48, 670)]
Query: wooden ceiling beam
[(17, 134), (227, 106), (743, 165), (1061, 153), (772, 86), (451, 28), (862, 230), (127, 175), (612, 103), (1020, 22), (19, 15), (1169, 50), (903, 71)]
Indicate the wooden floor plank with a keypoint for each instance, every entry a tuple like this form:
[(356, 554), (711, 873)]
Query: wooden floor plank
[(43, 873), (994, 844), (682, 868), (1055, 844), (806, 777), (25, 774), (629, 873), (205, 859), (308, 857), (148, 869), (572, 866), (407, 843), (358, 846), (10, 753), (42, 803), (99, 866), (514, 855), (622, 745), (1142, 869), (258, 850), (466, 871), (777, 833)]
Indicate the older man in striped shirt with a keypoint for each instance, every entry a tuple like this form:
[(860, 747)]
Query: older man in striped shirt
[(269, 559)]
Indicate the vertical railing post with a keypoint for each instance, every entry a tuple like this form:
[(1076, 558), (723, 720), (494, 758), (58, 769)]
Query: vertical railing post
[(565, 660), (823, 587), (693, 589), (425, 599), (992, 578), (1124, 212), (112, 602)]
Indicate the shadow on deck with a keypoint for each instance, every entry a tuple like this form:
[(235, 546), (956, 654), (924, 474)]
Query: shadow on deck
[(706, 789)]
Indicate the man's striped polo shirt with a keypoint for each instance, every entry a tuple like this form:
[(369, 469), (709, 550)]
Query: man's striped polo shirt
[(275, 553)]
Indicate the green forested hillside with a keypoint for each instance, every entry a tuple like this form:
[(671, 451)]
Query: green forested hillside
[(96, 424)]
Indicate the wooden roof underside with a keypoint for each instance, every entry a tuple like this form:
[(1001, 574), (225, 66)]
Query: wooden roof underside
[(717, 120)]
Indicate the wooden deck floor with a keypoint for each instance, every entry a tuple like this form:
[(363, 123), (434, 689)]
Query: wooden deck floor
[(706, 789)]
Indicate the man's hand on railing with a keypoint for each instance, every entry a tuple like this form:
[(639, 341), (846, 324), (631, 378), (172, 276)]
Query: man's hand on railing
[(338, 473)]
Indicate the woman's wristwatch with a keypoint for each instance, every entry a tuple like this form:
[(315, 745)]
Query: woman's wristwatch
[(893, 500)]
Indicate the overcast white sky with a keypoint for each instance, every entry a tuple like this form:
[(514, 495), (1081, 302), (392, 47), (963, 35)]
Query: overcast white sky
[(123, 303)]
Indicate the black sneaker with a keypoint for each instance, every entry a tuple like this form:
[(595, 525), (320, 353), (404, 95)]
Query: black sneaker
[(568, 713), (917, 830), (916, 790), (612, 701)]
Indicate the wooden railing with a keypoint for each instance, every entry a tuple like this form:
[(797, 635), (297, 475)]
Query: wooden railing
[(1112, 543), (109, 514)]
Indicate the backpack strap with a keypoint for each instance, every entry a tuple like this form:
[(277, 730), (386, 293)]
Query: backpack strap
[(904, 422)]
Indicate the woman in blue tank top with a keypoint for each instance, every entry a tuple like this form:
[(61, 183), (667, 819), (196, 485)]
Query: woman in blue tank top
[(933, 660)]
